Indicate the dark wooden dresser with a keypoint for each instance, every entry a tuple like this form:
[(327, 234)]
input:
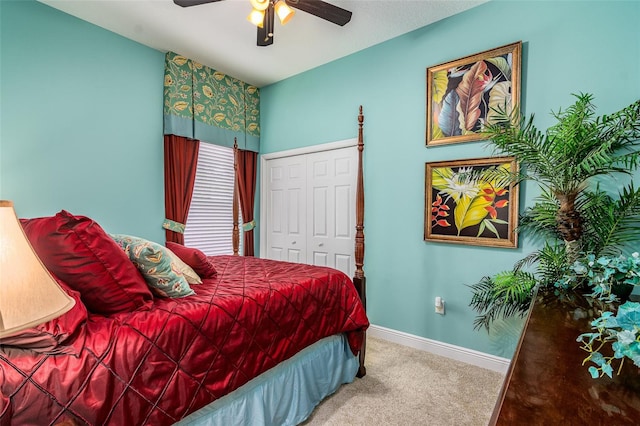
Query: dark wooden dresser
[(547, 384)]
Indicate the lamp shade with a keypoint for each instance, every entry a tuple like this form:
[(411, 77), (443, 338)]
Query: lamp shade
[(284, 12), (256, 17), (29, 295), (260, 4)]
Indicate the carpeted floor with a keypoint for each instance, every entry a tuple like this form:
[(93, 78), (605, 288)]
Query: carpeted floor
[(406, 386)]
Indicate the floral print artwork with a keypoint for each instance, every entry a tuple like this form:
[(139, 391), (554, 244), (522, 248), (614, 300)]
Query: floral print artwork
[(464, 95), (472, 201)]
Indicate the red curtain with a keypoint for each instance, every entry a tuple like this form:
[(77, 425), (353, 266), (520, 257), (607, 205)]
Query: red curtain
[(247, 168), (180, 162)]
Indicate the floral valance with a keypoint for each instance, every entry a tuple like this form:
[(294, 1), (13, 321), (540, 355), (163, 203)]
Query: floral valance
[(204, 104)]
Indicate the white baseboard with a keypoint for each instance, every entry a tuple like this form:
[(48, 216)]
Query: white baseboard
[(469, 356)]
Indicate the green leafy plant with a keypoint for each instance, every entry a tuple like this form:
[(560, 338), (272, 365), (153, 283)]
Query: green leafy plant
[(503, 295), (508, 293), (572, 215), (607, 277), (621, 331)]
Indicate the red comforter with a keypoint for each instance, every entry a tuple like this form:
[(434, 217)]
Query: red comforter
[(157, 366)]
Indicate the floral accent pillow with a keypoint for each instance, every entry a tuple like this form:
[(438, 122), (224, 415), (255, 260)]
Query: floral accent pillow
[(188, 272), (157, 266)]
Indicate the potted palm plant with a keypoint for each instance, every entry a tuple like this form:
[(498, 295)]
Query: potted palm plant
[(573, 216)]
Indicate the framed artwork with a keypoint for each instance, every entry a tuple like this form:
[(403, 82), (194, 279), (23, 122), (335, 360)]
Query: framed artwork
[(462, 95), (472, 202)]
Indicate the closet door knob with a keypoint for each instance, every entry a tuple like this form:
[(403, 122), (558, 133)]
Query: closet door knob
[(293, 243), (321, 244)]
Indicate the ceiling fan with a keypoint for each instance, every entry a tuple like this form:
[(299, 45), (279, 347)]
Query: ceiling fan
[(264, 11)]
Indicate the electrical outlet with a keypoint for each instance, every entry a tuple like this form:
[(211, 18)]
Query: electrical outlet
[(439, 305)]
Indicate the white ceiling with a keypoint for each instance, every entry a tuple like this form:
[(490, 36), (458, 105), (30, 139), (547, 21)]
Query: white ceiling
[(218, 34)]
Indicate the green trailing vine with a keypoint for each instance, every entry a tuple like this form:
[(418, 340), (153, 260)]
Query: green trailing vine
[(621, 331)]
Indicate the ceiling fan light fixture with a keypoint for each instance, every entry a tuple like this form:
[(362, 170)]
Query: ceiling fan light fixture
[(260, 4), (263, 15), (256, 17), (284, 12)]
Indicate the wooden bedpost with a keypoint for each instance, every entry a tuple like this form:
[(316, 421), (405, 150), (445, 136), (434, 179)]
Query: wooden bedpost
[(359, 280), (236, 229)]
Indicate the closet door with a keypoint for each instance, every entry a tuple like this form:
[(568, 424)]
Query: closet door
[(308, 206), (286, 209), (331, 189)]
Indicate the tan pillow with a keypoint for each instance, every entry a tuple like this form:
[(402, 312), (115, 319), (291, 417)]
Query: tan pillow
[(187, 271)]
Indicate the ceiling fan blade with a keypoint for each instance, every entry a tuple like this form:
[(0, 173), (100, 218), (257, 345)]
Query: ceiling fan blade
[(265, 34), (187, 3), (322, 9)]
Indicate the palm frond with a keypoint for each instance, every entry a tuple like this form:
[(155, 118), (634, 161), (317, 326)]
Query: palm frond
[(527, 261), (622, 127), (553, 264), (505, 295), (515, 135), (550, 263), (614, 223), (540, 219), (577, 147)]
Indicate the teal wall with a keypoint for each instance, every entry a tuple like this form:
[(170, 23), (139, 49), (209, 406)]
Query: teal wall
[(81, 121), (568, 47)]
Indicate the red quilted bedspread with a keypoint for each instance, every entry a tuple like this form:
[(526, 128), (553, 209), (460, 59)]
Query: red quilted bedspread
[(155, 367)]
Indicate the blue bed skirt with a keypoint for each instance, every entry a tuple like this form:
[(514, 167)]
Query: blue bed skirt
[(286, 394)]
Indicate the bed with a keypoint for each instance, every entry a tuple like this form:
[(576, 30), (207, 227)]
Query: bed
[(256, 342)]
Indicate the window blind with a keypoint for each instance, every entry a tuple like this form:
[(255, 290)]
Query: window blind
[(209, 224)]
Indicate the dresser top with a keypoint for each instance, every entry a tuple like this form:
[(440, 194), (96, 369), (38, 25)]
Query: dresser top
[(547, 383)]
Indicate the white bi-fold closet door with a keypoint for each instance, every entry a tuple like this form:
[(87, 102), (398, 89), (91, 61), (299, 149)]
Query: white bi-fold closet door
[(308, 205)]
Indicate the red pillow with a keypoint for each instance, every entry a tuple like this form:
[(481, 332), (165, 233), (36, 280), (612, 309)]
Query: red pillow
[(194, 258), (78, 251), (51, 336)]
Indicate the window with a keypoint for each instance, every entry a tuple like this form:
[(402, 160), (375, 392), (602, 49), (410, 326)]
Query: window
[(210, 221)]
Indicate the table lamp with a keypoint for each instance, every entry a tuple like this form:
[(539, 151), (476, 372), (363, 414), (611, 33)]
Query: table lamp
[(29, 295)]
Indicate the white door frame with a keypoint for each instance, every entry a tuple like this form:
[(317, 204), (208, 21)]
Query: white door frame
[(289, 153)]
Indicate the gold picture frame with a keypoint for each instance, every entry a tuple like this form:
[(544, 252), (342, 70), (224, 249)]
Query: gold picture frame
[(472, 201), (463, 94)]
